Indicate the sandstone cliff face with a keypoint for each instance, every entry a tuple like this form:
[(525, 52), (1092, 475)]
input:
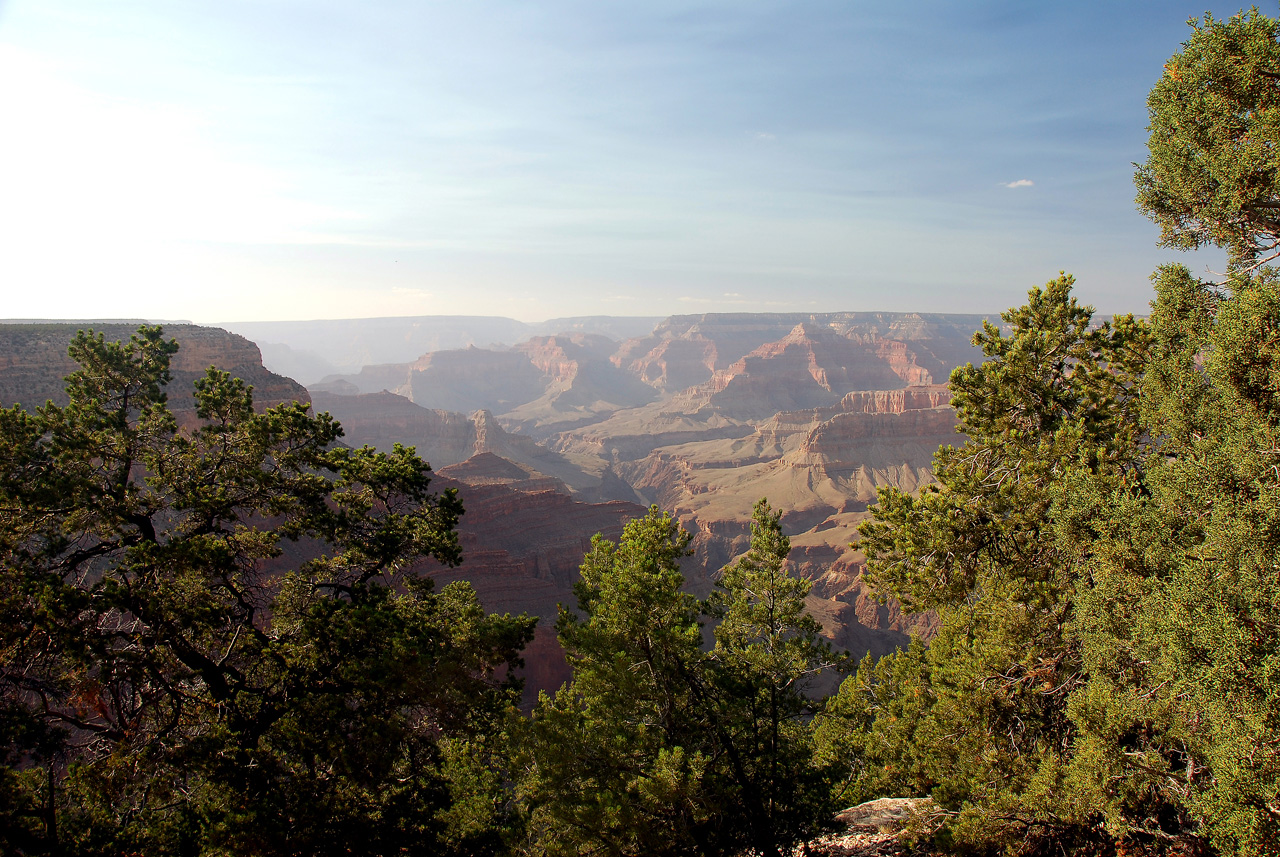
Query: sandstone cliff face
[(685, 351), (34, 361), (541, 386), (810, 367), (460, 380), (582, 384), (384, 419), (474, 379)]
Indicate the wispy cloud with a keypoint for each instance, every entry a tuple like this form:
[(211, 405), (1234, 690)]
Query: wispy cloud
[(763, 135), (1020, 183)]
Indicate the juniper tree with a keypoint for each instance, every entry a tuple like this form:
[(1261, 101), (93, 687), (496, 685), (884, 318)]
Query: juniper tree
[(1211, 177)]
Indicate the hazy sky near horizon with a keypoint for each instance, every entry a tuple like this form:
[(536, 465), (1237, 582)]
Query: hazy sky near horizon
[(298, 159)]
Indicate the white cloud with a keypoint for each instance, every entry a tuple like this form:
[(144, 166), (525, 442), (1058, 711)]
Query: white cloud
[(763, 135), (1020, 183)]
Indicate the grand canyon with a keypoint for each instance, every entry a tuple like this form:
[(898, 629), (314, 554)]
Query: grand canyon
[(576, 428)]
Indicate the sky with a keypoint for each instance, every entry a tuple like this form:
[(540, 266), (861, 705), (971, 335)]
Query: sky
[(236, 160)]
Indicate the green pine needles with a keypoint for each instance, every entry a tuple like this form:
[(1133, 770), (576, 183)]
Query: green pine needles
[(662, 745), (1103, 550)]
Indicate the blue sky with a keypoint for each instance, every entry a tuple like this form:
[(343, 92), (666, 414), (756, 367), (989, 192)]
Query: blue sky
[(277, 159)]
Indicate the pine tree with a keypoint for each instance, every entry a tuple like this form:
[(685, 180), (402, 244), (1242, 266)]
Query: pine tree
[(767, 656), (980, 718), (615, 757), (659, 746)]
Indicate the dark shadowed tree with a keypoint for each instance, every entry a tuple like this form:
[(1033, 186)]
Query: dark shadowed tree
[(209, 638)]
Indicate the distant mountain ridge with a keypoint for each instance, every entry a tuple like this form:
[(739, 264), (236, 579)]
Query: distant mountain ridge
[(34, 361), (310, 350)]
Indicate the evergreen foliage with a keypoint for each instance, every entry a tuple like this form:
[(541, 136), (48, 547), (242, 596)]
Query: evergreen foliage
[(767, 655), (1102, 552), (1211, 176), (980, 718), (658, 746), (201, 650)]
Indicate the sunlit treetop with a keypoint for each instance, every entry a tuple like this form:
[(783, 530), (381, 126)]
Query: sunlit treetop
[(1213, 174)]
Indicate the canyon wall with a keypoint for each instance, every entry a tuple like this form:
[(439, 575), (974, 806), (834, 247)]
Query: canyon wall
[(34, 362)]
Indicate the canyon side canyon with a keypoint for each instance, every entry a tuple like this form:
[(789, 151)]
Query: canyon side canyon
[(561, 435)]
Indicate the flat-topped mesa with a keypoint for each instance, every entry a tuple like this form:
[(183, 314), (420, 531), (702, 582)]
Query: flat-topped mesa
[(34, 363), (844, 436)]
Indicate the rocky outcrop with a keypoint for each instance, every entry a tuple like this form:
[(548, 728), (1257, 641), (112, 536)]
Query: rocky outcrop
[(811, 367), (474, 379), (886, 814), (485, 468), (685, 351), (447, 438), (461, 380), (34, 362), (548, 381)]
